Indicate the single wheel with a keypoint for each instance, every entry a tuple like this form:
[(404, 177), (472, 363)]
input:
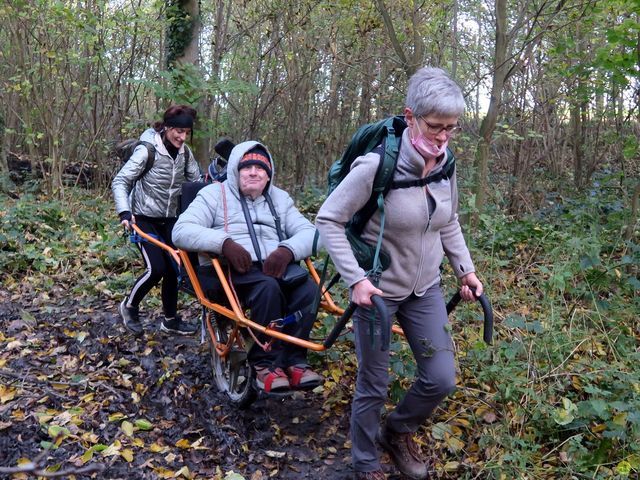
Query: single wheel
[(231, 371)]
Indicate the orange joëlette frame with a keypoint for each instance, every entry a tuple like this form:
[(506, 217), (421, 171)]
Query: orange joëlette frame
[(236, 312)]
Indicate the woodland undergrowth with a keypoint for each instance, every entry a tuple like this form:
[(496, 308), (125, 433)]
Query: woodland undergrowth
[(557, 395)]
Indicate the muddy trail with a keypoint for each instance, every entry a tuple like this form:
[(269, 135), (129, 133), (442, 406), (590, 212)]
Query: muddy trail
[(80, 395)]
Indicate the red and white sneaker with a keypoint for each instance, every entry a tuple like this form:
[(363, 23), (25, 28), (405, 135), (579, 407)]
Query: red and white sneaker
[(302, 377), (272, 380)]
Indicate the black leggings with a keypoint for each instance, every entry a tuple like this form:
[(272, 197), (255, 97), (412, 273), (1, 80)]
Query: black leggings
[(159, 266)]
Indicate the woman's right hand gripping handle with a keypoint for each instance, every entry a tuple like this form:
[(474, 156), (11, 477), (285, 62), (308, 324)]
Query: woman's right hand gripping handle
[(364, 294), (126, 220)]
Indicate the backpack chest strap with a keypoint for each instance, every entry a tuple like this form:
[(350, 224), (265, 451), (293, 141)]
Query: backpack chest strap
[(444, 174)]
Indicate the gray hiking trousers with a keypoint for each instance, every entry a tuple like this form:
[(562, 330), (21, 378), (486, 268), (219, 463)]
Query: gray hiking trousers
[(425, 324)]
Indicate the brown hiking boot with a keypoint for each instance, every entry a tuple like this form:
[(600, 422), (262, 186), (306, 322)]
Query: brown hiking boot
[(404, 452), (375, 475)]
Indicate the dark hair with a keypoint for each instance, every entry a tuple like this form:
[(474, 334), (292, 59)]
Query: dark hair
[(172, 112)]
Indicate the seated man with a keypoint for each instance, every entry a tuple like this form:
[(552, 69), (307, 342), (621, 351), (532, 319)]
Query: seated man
[(257, 229)]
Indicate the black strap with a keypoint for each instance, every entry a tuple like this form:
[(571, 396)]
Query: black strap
[(188, 156), (315, 306), (151, 157), (444, 174), (362, 216), (276, 218), (252, 232)]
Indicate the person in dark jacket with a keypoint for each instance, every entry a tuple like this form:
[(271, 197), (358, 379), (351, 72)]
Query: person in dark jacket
[(421, 226), (151, 202), (218, 221)]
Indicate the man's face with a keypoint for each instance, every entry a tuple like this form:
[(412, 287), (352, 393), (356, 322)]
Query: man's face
[(252, 180), (177, 136)]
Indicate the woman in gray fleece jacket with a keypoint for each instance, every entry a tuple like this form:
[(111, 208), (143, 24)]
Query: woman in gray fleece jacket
[(421, 226)]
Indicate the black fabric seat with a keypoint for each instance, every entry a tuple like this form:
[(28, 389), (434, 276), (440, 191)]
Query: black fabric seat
[(189, 192)]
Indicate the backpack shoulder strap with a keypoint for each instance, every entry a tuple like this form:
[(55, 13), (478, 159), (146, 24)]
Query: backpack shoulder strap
[(381, 186), (188, 155), (388, 151), (151, 158)]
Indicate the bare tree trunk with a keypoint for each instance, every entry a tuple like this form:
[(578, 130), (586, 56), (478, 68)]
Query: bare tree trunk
[(364, 110), (189, 54), (454, 41), (4, 164), (218, 47), (489, 122), (633, 219), (192, 51), (577, 135)]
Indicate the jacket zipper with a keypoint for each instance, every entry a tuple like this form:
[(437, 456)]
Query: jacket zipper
[(424, 232)]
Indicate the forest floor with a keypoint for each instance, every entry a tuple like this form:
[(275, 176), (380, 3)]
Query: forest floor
[(77, 393)]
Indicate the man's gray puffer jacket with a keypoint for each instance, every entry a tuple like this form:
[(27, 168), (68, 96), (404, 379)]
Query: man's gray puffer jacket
[(201, 228), (156, 194)]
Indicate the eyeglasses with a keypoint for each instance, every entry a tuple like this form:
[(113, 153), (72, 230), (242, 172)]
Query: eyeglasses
[(450, 130)]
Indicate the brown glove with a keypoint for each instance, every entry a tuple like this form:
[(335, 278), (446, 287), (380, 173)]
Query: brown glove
[(276, 263), (236, 255)]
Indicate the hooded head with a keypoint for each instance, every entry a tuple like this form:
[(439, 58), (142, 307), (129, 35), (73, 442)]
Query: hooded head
[(256, 156), (250, 169)]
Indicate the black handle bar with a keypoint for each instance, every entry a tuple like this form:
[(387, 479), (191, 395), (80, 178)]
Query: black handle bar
[(385, 322), (487, 335)]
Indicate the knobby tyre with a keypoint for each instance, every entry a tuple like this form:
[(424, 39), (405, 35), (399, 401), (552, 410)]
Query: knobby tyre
[(231, 372)]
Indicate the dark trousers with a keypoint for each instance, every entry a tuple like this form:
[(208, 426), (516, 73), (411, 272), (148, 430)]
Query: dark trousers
[(159, 266), (425, 325), (268, 301)]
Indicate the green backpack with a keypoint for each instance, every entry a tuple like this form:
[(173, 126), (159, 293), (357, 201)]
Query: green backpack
[(383, 137)]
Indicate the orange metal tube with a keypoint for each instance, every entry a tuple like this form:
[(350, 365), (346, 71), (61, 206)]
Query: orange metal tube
[(328, 303), (236, 314), (174, 253), (244, 321)]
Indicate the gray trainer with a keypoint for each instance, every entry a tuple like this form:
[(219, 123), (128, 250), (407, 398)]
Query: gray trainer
[(130, 318), (178, 326), (404, 452)]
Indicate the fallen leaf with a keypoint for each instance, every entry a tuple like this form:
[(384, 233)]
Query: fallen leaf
[(143, 424), (7, 394), (274, 454), (183, 443), (231, 475), (155, 448), (127, 428), (184, 472), (451, 466), (455, 444), (127, 454)]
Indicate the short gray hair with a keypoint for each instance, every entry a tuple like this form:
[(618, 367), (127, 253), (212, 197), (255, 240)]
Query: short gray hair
[(432, 92)]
